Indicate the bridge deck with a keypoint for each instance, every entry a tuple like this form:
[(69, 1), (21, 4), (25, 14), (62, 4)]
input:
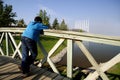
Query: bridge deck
[(9, 71)]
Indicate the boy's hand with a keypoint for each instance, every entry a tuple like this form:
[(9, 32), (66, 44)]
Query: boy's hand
[(41, 31)]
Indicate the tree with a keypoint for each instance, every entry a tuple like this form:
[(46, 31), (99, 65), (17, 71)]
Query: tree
[(45, 17), (6, 15), (1, 7), (55, 24), (63, 26), (21, 23)]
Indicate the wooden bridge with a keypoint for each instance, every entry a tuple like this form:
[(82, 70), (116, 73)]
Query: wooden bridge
[(71, 37), (9, 71)]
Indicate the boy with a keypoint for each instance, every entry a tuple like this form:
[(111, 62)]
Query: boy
[(29, 43)]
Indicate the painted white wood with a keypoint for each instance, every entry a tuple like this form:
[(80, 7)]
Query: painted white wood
[(1, 37), (56, 46), (70, 35), (104, 67), (17, 50), (69, 57), (99, 39), (110, 40), (7, 49), (1, 43), (16, 47), (1, 51), (52, 65), (92, 60)]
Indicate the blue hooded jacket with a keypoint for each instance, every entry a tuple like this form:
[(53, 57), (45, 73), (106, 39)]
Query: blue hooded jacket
[(33, 30)]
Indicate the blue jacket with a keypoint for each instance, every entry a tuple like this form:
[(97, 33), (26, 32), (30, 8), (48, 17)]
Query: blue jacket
[(33, 30)]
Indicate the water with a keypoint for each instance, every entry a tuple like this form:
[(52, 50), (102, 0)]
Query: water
[(100, 52)]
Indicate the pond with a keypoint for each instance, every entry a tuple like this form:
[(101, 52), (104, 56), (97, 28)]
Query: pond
[(100, 52)]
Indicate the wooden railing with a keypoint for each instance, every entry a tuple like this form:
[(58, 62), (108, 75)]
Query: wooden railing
[(71, 37)]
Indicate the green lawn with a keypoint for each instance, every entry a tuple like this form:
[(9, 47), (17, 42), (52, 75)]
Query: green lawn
[(114, 72), (48, 42)]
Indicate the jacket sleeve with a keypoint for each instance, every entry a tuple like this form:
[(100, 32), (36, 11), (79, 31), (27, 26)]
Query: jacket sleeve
[(41, 26)]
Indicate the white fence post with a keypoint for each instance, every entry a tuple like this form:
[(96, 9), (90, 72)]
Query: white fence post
[(69, 57), (7, 49)]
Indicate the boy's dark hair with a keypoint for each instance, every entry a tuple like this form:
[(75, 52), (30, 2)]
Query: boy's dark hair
[(38, 19)]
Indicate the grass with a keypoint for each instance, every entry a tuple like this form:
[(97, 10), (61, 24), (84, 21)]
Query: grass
[(114, 72), (48, 42)]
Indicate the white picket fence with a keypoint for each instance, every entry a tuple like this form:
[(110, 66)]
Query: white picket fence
[(71, 37)]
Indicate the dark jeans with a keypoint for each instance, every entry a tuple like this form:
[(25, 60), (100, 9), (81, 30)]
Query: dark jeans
[(27, 59)]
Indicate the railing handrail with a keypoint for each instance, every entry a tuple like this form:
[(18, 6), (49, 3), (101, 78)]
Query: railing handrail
[(73, 35), (20, 30)]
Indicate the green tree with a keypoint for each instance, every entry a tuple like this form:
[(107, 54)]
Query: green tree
[(63, 26), (45, 17), (1, 7), (21, 23), (6, 15), (55, 24)]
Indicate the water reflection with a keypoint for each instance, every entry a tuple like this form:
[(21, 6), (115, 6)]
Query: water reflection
[(100, 52)]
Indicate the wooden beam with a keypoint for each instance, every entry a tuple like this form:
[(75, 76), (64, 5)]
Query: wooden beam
[(16, 47), (104, 67), (51, 52), (69, 57), (1, 39), (92, 60)]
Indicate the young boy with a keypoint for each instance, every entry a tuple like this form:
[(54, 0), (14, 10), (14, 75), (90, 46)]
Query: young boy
[(29, 43)]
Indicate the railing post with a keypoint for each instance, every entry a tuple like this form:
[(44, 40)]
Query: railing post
[(7, 49), (69, 57), (44, 53), (1, 43)]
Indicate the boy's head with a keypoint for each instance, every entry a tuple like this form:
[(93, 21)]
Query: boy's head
[(38, 19)]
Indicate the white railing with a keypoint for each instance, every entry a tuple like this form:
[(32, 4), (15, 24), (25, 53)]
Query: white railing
[(71, 37)]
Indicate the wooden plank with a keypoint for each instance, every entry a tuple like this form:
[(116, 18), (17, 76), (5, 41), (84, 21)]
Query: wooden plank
[(51, 76), (5, 65), (13, 73), (35, 73), (7, 59), (18, 74), (6, 71), (66, 78), (69, 57), (43, 76), (4, 61), (59, 77)]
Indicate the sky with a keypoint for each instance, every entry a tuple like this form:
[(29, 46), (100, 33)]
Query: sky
[(103, 15)]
